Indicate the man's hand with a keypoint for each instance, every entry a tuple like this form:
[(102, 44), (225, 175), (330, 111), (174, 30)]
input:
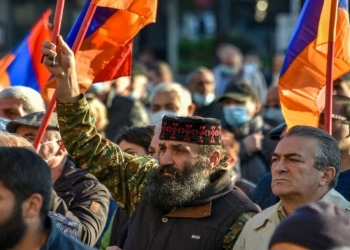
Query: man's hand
[(60, 62), (253, 142)]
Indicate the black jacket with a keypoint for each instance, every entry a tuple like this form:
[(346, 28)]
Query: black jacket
[(201, 224), (81, 197), (57, 240)]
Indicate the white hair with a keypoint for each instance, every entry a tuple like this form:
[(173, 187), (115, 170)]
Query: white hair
[(183, 93), (31, 99)]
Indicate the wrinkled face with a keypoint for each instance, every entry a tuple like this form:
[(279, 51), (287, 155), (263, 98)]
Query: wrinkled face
[(340, 128), (12, 224), (132, 148), (49, 146), (293, 171), (11, 108), (341, 88), (202, 83), (250, 105), (177, 154), (168, 101)]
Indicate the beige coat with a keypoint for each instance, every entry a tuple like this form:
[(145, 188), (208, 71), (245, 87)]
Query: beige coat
[(258, 231)]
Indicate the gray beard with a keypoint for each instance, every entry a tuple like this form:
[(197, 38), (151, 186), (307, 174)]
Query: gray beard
[(165, 193)]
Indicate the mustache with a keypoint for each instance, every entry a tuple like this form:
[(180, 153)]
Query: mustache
[(169, 169)]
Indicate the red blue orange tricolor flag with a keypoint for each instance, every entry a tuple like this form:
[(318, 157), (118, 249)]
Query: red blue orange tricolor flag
[(21, 66), (303, 75), (106, 50)]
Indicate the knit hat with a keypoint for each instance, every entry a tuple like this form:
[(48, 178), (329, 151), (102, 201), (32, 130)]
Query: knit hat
[(317, 225), (32, 120), (195, 129)]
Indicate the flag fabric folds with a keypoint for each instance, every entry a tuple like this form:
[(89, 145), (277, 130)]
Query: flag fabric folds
[(106, 51), (22, 66), (303, 75)]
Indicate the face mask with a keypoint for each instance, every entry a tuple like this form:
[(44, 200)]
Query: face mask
[(97, 87), (251, 67), (202, 100), (274, 114), (236, 115), (50, 158), (156, 118), (228, 70)]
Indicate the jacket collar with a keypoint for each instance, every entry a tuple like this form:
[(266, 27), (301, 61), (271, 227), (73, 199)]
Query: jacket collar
[(271, 214)]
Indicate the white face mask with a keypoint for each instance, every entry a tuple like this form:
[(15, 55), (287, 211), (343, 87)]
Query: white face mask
[(44, 143), (50, 158), (156, 118)]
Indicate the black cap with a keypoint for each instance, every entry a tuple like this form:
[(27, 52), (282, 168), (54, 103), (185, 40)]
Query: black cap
[(276, 132), (317, 225), (240, 91), (32, 120)]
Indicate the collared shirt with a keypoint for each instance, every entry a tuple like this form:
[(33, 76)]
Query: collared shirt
[(257, 232), (123, 174), (282, 215)]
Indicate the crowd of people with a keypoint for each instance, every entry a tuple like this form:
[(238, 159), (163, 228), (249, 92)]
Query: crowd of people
[(144, 162)]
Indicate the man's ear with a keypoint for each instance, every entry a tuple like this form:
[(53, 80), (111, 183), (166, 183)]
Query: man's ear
[(62, 150), (327, 176), (32, 206), (191, 108), (214, 159)]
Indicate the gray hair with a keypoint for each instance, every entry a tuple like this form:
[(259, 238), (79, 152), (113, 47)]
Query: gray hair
[(327, 152), (183, 93), (30, 98)]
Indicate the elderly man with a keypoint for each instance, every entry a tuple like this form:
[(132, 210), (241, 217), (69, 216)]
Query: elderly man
[(242, 116), (188, 202), (201, 83), (231, 69), (25, 191), (78, 195), (19, 101), (305, 168), (170, 99)]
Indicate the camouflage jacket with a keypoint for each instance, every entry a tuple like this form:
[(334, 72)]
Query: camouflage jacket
[(123, 174)]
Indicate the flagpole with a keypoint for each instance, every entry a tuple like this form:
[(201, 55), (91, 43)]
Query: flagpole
[(56, 31), (77, 43), (330, 66)]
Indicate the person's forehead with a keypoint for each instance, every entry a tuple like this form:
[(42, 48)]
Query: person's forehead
[(296, 144), (166, 97), (11, 102), (170, 143)]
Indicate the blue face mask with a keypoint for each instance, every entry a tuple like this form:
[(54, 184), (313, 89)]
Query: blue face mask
[(236, 115), (202, 100), (274, 114)]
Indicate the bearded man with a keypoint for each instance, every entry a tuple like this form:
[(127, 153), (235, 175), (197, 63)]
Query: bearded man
[(188, 202)]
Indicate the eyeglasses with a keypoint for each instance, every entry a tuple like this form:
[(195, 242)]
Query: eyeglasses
[(341, 118)]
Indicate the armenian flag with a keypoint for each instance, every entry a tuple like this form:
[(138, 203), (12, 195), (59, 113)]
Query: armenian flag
[(106, 51), (21, 66), (303, 75)]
